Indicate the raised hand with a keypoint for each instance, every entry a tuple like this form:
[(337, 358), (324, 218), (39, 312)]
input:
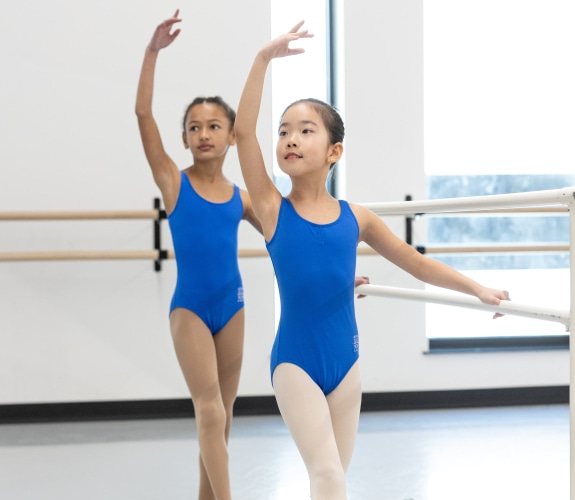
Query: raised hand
[(279, 47), (162, 36)]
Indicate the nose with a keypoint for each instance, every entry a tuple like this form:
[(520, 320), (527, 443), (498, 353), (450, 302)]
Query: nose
[(204, 132), (292, 142)]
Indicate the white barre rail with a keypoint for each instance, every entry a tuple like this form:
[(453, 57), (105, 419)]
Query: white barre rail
[(553, 197), (505, 307)]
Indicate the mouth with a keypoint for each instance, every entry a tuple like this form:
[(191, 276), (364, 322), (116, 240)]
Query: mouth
[(205, 147), (292, 156)]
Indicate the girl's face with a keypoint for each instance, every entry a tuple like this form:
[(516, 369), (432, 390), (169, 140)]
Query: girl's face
[(208, 131), (303, 145)]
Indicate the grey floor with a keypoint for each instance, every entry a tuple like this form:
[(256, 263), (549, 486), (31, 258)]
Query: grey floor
[(513, 453)]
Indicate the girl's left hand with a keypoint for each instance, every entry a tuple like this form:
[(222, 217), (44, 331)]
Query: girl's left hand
[(361, 280)]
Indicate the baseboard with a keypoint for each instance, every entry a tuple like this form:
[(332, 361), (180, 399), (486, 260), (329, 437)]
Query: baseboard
[(266, 405), (468, 398)]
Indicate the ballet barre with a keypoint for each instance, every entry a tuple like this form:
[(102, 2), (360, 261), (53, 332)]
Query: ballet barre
[(83, 215), (478, 249), (548, 199), (552, 198), (505, 307), (107, 255), (156, 215), (157, 255)]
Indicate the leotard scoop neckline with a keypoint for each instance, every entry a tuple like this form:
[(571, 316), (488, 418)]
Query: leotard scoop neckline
[(318, 224)]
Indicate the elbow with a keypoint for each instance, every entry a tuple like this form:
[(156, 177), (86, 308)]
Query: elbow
[(140, 112), (240, 131), (244, 129)]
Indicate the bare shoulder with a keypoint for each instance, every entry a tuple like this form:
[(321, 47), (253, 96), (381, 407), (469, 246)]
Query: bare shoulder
[(373, 230), (364, 216)]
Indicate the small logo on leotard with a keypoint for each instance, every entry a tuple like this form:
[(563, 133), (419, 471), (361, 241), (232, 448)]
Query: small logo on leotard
[(356, 343), (240, 294)]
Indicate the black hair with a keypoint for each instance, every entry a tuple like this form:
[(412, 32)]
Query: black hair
[(329, 114), (230, 112)]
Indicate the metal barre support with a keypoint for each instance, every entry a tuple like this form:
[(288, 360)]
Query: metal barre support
[(162, 254)]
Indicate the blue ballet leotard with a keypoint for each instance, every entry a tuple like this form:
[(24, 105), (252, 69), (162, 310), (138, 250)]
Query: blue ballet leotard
[(205, 237), (315, 270)]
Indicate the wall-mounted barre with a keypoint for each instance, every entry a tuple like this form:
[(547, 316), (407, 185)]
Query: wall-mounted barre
[(106, 255), (243, 253), (82, 215), (157, 214), (157, 254)]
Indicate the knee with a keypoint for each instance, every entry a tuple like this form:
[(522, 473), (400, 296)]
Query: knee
[(330, 478), (210, 415)]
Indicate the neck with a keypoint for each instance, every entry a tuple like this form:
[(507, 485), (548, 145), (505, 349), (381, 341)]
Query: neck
[(306, 193), (309, 188), (210, 171)]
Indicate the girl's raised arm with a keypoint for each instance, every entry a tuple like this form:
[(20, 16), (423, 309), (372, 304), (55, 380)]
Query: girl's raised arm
[(264, 195), (163, 168)]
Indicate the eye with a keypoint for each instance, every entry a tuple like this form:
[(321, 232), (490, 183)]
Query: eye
[(194, 128), (215, 127), (307, 131), (282, 133)]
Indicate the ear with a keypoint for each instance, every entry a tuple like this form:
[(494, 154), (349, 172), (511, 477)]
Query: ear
[(232, 138), (185, 140), (335, 153)]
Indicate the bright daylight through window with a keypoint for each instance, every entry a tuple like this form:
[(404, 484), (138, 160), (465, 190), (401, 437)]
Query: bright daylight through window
[(499, 117)]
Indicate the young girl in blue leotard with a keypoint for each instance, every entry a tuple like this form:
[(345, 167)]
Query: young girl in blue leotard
[(312, 239), (204, 209)]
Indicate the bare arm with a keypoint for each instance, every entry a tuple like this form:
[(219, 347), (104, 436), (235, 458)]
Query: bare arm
[(249, 214), (264, 195), (164, 170), (378, 236)]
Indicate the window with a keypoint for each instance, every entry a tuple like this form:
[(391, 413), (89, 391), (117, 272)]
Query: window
[(499, 117)]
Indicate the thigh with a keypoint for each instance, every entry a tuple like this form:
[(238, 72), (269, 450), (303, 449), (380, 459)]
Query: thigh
[(196, 353), (229, 344), (306, 414), (345, 404)]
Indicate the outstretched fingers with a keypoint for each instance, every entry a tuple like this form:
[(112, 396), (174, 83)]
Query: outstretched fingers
[(280, 46), (162, 36)]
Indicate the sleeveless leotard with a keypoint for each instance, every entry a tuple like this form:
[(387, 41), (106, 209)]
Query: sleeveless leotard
[(205, 237), (315, 270)]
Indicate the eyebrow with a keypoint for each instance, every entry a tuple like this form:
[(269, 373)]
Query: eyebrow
[(302, 122), (213, 120)]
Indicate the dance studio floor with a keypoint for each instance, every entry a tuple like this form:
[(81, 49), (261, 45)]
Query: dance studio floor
[(511, 453)]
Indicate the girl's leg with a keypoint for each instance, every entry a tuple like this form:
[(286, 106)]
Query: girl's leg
[(196, 353), (229, 351), (306, 412), (344, 406), (229, 344)]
